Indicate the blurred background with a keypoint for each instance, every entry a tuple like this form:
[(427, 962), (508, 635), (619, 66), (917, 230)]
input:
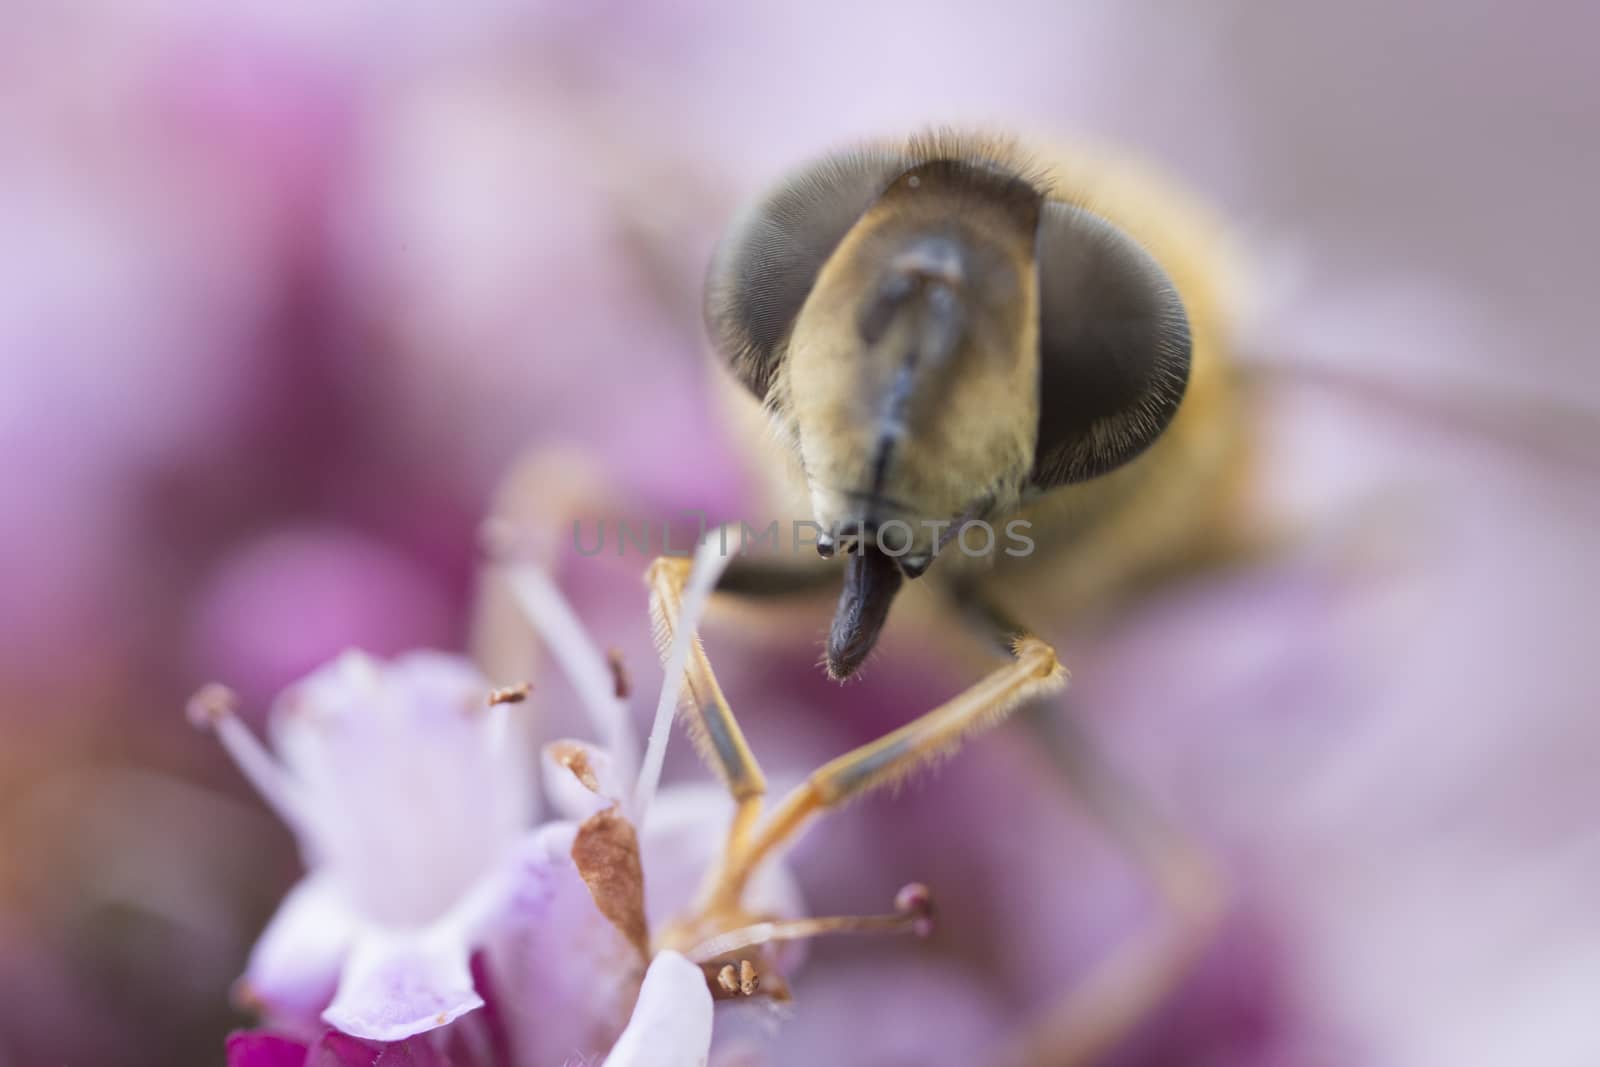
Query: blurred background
[(285, 289)]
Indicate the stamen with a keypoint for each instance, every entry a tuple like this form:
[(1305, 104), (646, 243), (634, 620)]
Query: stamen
[(913, 914), (215, 707), (710, 560), (556, 622), (510, 694)]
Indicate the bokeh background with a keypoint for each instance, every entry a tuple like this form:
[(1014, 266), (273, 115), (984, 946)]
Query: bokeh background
[(285, 289)]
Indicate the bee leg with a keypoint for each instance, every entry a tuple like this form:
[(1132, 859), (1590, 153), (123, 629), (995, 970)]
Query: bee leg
[(1123, 989), (710, 722), (1032, 672)]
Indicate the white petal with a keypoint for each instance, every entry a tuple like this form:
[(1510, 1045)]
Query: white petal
[(570, 797), (294, 967), (671, 1024), (399, 984)]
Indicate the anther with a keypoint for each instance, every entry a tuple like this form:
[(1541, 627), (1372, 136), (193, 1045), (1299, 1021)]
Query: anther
[(510, 694), (749, 980), (620, 682), (212, 703), (215, 707), (740, 980), (575, 759), (915, 902)]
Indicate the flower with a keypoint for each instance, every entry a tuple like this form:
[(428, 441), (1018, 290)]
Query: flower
[(412, 814), (408, 785), (430, 887)]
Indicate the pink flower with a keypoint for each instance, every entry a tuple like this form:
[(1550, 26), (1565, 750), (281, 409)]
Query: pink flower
[(408, 783), (414, 817), (432, 893)]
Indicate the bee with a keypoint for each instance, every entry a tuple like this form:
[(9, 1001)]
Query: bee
[(952, 333), (956, 332)]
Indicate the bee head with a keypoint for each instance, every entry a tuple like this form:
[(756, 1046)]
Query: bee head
[(912, 371), (940, 335)]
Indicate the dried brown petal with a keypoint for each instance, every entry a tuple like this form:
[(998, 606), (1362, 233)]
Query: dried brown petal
[(606, 851)]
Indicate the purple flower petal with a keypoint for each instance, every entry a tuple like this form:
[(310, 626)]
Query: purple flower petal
[(396, 985), (510, 895), (294, 967), (257, 1048), (671, 1024), (564, 977)]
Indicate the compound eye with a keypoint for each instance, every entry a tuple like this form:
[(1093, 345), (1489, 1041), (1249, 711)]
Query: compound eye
[(1114, 347), (768, 261)]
